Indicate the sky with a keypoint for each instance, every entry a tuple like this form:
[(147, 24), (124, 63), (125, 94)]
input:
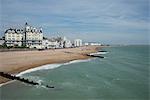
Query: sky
[(104, 21)]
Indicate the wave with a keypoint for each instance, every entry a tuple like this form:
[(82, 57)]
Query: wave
[(76, 61), (6, 83), (99, 53), (43, 67), (50, 66)]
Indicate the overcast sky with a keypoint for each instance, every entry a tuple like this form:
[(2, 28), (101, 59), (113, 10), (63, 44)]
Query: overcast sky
[(105, 21)]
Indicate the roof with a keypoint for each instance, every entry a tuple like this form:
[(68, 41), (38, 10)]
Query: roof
[(18, 31)]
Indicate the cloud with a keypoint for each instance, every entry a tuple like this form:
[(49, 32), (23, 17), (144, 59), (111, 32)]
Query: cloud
[(80, 16)]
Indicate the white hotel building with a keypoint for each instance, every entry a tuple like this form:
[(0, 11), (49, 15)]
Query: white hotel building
[(33, 38), (50, 43), (77, 42), (56, 43), (29, 36), (14, 37)]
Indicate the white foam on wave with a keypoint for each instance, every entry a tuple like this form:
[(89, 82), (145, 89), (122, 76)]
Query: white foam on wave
[(99, 53), (76, 61), (50, 66), (45, 67), (6, 83)]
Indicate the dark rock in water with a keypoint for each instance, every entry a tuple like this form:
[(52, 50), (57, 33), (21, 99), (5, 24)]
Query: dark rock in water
[(101, 57), (17, 78), (102, 51), (49, 86), (95, 56)]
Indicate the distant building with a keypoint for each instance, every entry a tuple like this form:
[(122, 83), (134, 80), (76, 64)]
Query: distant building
[(29, 36), (77, 42), (86, 44), (66, 43), (60, 42), (45, 44), (57, 42), (50, 43), (2, 41), (95, 44), (33, 37), (14, 37), (53, 44)]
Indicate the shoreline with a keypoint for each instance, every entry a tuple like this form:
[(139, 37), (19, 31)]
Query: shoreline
[(20, 61), (45, 67)]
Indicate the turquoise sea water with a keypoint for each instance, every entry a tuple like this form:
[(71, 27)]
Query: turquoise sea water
[(122, 75)]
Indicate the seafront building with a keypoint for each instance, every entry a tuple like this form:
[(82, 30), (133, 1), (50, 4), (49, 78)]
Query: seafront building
[(29, 36), (14, 37), (57, 42), (95, 44), (77, 42), (50, 43), (2, 41), (86, 44), (92, 43), (67, 43), (32, 37)]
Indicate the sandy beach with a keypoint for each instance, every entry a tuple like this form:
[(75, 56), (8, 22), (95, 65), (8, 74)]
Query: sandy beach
[(18, 61)]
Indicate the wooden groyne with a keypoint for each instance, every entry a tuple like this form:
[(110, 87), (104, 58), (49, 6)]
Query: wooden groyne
[(96, 56), (102, 51), (13, 77)]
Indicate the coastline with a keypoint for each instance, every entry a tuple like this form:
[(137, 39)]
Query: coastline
[(19, 61), (45, 67)]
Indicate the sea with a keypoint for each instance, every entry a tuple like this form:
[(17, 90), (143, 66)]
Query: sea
[(123, 74)]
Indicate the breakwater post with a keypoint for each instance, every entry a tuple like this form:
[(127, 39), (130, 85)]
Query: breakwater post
[(13, 77), (95, 56)]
